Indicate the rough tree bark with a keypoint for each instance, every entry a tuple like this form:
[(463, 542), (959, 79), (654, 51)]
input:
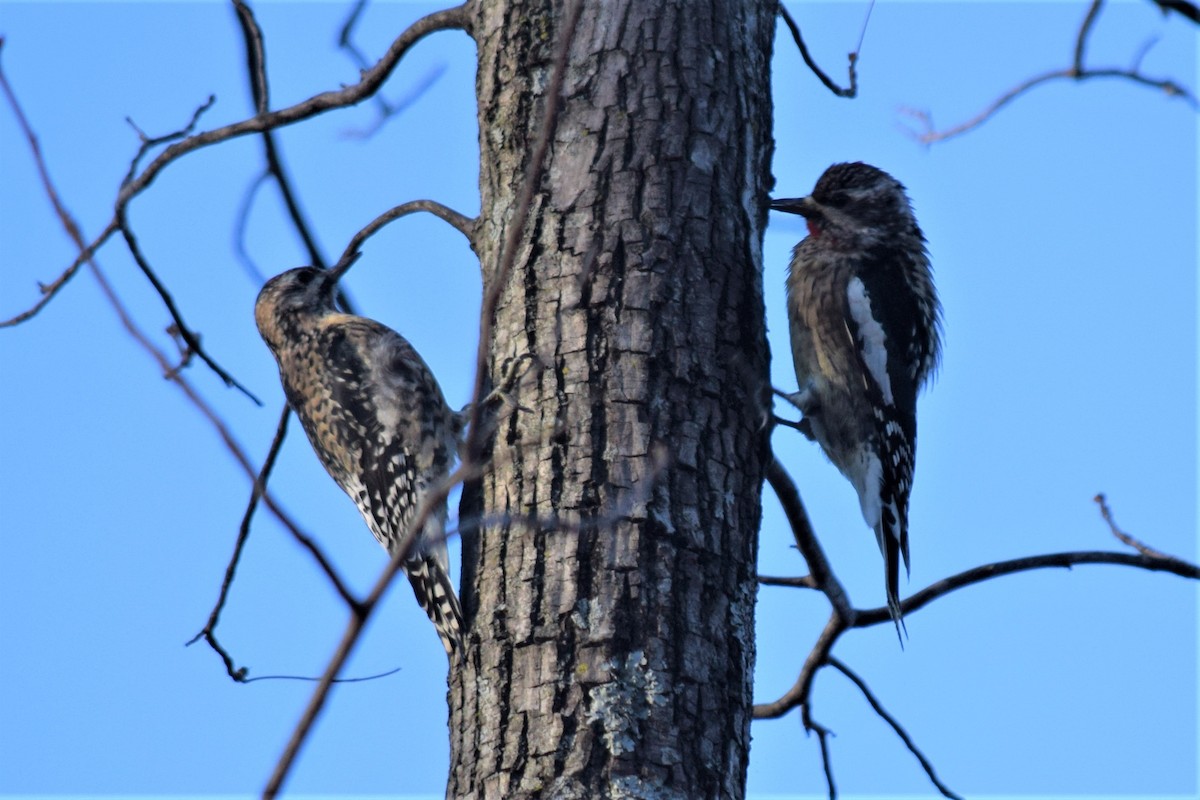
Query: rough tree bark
[(610, 592)]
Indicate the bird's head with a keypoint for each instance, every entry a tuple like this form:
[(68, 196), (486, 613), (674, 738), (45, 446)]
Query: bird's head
[(853, 205), (290, 298)]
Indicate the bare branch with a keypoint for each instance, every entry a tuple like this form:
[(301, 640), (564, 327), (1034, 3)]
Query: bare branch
[(1089, 20), (846, 617), (310, 544), (1067, 560), (346, 43), (48, 290), (805, 582), (1076, 72), (1182, 7), (259, 480), (256, 70), (823, 735), (456, 18), (821, 572), (360, 614), (148, 143), (387, 108), (208, 633), (397, 107), (179, 329), (193, 341), (849, 91), (256, 56), (799, 694), (896, 726), (464, 225), (1135, 63), (1125, 538), (242, 219), (311, 679)]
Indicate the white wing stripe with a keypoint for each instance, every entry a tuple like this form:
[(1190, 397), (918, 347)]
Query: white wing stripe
[(871, 335)]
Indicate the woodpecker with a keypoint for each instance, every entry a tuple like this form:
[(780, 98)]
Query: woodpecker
[(376, 418), (865, 325)]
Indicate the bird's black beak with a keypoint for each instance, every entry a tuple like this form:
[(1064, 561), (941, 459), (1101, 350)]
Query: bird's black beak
[(794, 205)]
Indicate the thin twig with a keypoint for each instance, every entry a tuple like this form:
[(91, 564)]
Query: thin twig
[(118, 224), (802, 582), (140, 337), (359, 617), (846, 617), (208, 633), (187, 334), (242, 223), (1183, 7), (401, 104), (456, 18), (821, 573), (256, 71), (1085, 30), (464, 225), (1135, 63), (1076, 72), (799, 693), (849, 91), (1124, 537), (1065, 560), (313, 679), (148, 143), (346, 42), (823, 735), (387, 108), (180, 328), (865, 618), (896, 726), (48, 290)]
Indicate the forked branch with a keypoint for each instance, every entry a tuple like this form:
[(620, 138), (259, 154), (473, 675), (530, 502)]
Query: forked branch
[(794, 29), (456, 18), (1077, 71), (845, 617)]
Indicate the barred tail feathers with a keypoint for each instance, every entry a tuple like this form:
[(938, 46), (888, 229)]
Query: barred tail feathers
[(891, 533), (435, 594)]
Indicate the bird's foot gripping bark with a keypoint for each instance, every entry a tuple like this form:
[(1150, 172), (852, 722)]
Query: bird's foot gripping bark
[(804, 401)]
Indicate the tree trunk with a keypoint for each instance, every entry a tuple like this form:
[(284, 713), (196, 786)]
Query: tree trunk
[(610, 591)]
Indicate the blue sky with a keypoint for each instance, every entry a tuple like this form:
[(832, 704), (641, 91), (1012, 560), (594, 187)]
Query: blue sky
[(1063, 235)]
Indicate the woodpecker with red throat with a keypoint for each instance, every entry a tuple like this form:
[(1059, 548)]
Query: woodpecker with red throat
[(865, 325)]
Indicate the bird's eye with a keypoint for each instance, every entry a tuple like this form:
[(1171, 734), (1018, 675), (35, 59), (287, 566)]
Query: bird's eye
[(838, 199), (306, 276)]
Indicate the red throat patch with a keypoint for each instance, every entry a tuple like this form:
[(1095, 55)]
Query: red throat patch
[(814, 229)]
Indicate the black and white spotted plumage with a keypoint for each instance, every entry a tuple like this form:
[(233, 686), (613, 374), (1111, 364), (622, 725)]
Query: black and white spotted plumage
[(865, 325), (376, 418)]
